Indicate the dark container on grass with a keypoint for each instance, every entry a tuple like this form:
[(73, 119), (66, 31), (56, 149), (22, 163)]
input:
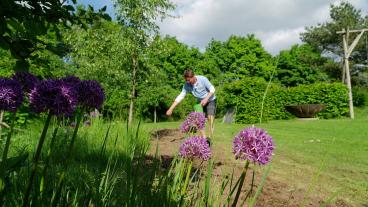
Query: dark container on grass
[(305, 110)]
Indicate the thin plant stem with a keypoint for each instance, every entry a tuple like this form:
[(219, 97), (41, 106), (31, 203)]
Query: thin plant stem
[(36, 159), (1, 121), (67, 159), (260, 187), (42, 182), (189, 170), (251, 188), (186, 182), (242, 178), (7, 144), (208, 182), (105, 140), (265, 93)]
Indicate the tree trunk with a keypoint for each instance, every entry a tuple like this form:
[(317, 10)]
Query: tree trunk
[(132, 97), (343, 79), (155, 115)]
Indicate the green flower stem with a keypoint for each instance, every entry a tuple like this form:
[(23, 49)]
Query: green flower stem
[(260, 187), (69, 155), (242, 178), (184, 189), (1, 121), (35, 160), (7, 144), (42, 182), (265, 93), (79, 119), (208, 182), (251, 188)]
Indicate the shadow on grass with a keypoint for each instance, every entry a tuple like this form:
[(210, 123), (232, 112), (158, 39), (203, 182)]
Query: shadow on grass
[(113, 178)]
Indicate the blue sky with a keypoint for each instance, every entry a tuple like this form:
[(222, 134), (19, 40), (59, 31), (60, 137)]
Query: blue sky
[(277, 23), (98, 4)]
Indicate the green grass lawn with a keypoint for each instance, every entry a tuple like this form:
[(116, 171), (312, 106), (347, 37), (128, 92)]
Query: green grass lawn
[(336, 150)]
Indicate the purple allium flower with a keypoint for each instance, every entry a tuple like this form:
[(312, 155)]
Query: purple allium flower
[(73, 124), (87, 123), (194, 121), (26, 80), (53, 95), (195, 146), (11, 95), (253, 144), (71, 80), (94, 114), (90, 94)]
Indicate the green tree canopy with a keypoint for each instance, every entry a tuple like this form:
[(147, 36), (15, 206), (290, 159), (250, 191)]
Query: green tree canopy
[(300, 65), (99, 53), (239, 57), (173, 57), (24, 25)]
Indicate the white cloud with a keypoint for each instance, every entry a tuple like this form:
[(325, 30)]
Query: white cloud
[(274, 41), (277, 23)]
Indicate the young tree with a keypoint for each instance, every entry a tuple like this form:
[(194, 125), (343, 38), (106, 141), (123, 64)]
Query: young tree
[(324, 39), (99, 53), (139, 17)]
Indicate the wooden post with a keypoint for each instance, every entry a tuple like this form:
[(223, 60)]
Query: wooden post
[(343, 77), (347, 72), (347, 52)]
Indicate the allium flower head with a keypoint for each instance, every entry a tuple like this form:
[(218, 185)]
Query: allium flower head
[(90, 94), (53, 95), (194, 121), (195, 147), (11, 95), (87, 123), (73, 124), (71, 80), (253, 144), (26, 80)]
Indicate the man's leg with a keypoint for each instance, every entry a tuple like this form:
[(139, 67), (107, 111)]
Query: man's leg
[(203, 133), (211, 119), (210, 112)]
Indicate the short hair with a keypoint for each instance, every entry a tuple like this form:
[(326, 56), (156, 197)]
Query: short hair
[(188, 73)]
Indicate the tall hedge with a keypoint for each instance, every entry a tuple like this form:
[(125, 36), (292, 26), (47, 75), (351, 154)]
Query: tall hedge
[(333, 95), (246, 96)]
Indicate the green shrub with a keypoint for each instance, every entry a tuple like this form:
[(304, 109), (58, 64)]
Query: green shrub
[(247, 95), (333, 95), (359, 97)]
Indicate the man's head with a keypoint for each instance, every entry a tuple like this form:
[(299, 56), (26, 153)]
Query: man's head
[(189, 76)]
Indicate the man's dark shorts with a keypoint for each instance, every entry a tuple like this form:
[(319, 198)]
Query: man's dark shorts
[(210, 108)]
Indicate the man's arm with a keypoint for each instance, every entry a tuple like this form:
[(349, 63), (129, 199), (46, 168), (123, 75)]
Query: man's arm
[(211, 89), (178, 99)]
